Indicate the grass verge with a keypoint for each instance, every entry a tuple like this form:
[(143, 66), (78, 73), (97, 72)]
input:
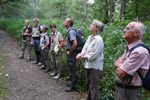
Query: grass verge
[(3, 79)]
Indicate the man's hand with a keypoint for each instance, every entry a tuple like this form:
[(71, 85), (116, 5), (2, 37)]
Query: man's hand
[(68, 52), (118, 63), (79, 56), (120, 73), (31, 43)]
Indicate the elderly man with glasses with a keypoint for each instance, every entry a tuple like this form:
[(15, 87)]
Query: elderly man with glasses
[(128, 82)]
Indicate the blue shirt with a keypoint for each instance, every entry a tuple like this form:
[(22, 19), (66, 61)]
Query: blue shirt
[(71, 35)]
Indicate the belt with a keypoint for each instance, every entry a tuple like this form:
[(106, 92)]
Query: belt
[(67, 49), (36, 38), (126, 86)]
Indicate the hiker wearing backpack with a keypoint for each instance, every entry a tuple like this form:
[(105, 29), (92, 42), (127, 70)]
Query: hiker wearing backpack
[(26, 34), (92, 53), (71, 54), (44, 43), (135, 59), (36, 40), (55, 49)]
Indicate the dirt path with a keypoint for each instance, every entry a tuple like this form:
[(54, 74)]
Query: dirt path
[(26, 81)]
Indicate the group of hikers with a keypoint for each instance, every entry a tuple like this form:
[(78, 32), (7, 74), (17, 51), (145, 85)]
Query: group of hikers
[(48, 51), (43, 44)]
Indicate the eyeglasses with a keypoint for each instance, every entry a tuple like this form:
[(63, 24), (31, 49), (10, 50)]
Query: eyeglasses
[(129, 28), (94, 24)]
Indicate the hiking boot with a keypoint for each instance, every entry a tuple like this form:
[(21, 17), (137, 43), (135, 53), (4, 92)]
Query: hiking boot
[(28, 59), (69, 89), (53, 74), (39, 64), (43, 67), (46, 70), (21, 57), (57, 76), (35, 62)]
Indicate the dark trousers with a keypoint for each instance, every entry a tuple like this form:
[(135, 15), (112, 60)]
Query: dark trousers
[(26, 45), (92, 81), (45, 58), (71, 60), (56, 65), (127, 94), (36, 45)]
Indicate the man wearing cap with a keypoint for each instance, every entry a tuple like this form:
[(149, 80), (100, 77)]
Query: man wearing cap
[(36, 40), (92, 53), (128, 82), (27, 30), (71, 54)]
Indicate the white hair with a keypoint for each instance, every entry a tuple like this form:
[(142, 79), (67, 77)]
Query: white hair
[(99, 25), (37, 19), (26, 20), (140, 27)]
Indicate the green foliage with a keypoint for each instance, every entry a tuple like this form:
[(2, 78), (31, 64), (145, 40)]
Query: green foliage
[(13, 26), (113, 48), (138, 8), (47, 8), (9, 8), (61, 9)]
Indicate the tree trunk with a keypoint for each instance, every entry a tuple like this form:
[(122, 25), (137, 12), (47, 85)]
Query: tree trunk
[(84, 10), (136, 8), (106, 16), (0, 9), (122, 10), (112, 10)]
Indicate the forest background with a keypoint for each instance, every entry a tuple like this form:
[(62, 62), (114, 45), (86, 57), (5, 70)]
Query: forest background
[(116, 14)]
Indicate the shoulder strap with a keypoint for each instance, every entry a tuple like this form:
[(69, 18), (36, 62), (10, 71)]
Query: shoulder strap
[(71, 29), (30, 29), (79, 31), (45, 36), (68, 32), (139, 45)]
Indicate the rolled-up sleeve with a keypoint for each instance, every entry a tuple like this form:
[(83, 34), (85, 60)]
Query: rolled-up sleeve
[(72, 35)]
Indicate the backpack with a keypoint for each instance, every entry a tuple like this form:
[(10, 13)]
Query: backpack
[(146, 79), (49, 45), (80, 39)]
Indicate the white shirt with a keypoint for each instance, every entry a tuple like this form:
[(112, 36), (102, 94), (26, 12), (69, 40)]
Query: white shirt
[(93, 51)]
